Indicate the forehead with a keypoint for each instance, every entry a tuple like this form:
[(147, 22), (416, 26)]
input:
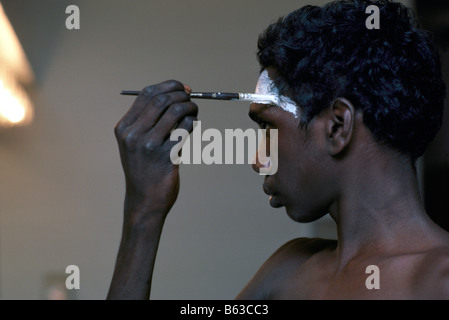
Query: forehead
[(265, 85)]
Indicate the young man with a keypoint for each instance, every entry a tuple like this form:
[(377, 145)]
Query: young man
[(369, 101)]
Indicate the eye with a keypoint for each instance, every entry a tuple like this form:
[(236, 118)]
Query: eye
[(264, 125)]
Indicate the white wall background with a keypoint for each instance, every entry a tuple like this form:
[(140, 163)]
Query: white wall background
[(61, 184)]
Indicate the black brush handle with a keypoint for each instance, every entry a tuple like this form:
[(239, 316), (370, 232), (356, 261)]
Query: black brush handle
[(196, 95), (129, 93)]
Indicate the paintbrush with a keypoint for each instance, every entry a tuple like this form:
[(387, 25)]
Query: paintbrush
[(252, 97)]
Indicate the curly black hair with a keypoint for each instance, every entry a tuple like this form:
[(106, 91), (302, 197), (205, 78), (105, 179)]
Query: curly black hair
[(393, 73)]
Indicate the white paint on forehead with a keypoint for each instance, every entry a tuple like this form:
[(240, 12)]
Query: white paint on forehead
[(266, 86)]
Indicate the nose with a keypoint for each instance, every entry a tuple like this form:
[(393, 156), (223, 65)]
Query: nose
[(259, 163)]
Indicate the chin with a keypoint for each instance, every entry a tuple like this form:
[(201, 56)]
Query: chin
[(302, 215)]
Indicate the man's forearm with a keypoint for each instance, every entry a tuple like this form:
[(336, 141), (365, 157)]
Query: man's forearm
[(135, 261)]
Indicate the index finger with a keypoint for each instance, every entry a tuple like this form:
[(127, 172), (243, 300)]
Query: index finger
[(144, 98)]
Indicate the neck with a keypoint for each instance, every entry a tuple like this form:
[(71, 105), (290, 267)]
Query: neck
[(378, 209)]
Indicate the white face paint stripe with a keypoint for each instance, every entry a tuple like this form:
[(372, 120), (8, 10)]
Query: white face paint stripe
[(266, 86)]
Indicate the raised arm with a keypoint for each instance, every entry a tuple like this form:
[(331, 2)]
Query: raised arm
[(152, 181)]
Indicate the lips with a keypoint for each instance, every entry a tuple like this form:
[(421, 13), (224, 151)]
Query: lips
[(267, 190), (275, 202)]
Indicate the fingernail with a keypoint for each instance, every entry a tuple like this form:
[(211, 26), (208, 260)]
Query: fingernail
[(187, 89)]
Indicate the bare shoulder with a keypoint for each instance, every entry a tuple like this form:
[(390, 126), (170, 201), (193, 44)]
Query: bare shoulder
[(432, 274), (281, 264)]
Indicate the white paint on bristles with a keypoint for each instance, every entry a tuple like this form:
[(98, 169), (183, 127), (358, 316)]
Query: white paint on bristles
[(266, 86)]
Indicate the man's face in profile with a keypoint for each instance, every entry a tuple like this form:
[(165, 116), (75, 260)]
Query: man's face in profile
[(302, 176)]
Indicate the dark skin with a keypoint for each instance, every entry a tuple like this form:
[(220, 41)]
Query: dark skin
[(333, 166)]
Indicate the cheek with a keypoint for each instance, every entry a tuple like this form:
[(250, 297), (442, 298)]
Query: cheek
[(299, 165), (291, 160)]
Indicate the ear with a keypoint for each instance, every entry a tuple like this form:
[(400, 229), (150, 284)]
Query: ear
[(340, 120)]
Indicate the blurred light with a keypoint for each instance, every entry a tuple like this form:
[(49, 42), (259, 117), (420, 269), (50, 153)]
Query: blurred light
[(15, 76)]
